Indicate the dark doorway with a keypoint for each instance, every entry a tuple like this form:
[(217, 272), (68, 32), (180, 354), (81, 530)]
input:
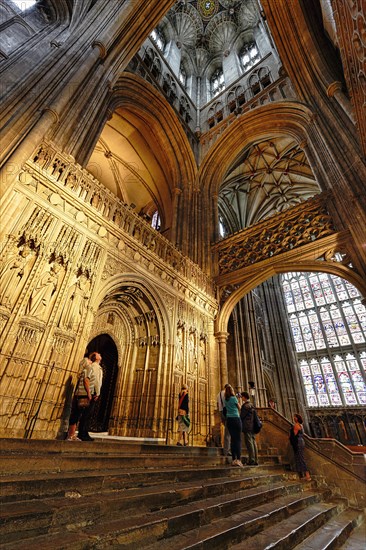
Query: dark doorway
[(104, 345)]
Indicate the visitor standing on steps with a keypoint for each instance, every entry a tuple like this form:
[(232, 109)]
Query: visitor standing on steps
[(87, 392), (246, 415), (224, 432), (298, 444), (183, 419), (232, 408)]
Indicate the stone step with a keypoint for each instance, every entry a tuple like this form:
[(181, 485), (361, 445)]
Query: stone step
[(336, 532), (305, 529), (66, 463), (240, 529), (356, 540), (199, 527), (24, 518), (21, 457), (15, 488)]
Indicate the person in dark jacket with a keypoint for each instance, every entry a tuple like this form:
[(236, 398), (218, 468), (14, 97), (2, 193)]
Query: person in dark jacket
[(246, 415), (298, 444)]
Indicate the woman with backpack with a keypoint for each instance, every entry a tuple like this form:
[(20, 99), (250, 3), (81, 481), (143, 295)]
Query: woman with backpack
[(247, 419)]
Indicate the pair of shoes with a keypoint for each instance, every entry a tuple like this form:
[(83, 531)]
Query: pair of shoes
[(86, 437), (239, 463), (73, 438), (179, 444), (252, 463)]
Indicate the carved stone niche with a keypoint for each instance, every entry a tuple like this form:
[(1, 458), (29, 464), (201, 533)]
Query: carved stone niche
[(29, 335)]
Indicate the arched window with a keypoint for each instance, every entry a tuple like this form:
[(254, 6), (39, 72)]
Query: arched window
[(182, 76), (249, 56), (155, 221), (222, 229), (217, 82), (328, 323), (24, 4), (158, 39)]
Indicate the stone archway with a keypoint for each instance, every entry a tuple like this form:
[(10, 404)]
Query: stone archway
[(105, 345)]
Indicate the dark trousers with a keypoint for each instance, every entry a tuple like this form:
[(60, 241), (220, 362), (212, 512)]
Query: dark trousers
[(85, 420), (251, 446), (81, 415), (234, 427)]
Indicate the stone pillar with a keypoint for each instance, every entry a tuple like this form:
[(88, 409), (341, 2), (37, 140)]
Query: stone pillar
[(221, 338)]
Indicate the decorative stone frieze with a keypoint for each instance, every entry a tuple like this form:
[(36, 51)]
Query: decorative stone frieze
[(297, 226)]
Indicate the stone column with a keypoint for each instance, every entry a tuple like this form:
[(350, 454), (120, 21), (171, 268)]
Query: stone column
[(221, 338), (49, 116)]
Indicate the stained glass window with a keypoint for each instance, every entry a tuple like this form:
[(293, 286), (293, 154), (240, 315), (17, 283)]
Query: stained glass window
[(328, 323), (155, 220)]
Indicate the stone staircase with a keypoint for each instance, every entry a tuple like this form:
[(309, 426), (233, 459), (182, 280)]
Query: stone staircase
[(112, 494)]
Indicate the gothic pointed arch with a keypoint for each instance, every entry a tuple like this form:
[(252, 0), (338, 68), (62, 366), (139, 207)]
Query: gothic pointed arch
[(254, 279), (129, 310), (142, 153)]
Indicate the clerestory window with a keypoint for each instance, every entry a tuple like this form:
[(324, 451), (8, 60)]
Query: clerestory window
[(217, 82), (182, 76), (158, 39), (249, 56), (328, 322), (155, 221), (24, 4)]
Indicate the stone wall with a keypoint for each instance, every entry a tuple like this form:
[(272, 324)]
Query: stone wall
[(77, 263)]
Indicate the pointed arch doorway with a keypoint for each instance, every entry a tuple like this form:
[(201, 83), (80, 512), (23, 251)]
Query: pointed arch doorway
[(104, 345)]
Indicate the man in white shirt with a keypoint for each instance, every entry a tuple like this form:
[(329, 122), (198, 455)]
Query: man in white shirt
[(225, 436), (92, 382), (87, 392)]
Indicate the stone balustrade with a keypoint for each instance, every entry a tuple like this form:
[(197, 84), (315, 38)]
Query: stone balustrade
[(62, 168)]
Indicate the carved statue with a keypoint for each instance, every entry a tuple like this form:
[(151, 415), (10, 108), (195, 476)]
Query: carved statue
[(192, 361), (41, 296), (202, 359), (14, 273), (76, 301), (179, 348)]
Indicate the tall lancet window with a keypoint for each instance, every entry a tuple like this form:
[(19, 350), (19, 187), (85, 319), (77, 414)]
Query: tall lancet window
[(328, 322)]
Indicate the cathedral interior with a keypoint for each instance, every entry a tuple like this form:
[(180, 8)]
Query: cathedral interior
[(183, 191)]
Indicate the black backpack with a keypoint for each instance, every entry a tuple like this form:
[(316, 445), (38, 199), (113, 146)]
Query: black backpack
[(257, 424)]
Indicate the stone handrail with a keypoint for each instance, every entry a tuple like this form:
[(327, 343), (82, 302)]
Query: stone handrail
[(327, 459)]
